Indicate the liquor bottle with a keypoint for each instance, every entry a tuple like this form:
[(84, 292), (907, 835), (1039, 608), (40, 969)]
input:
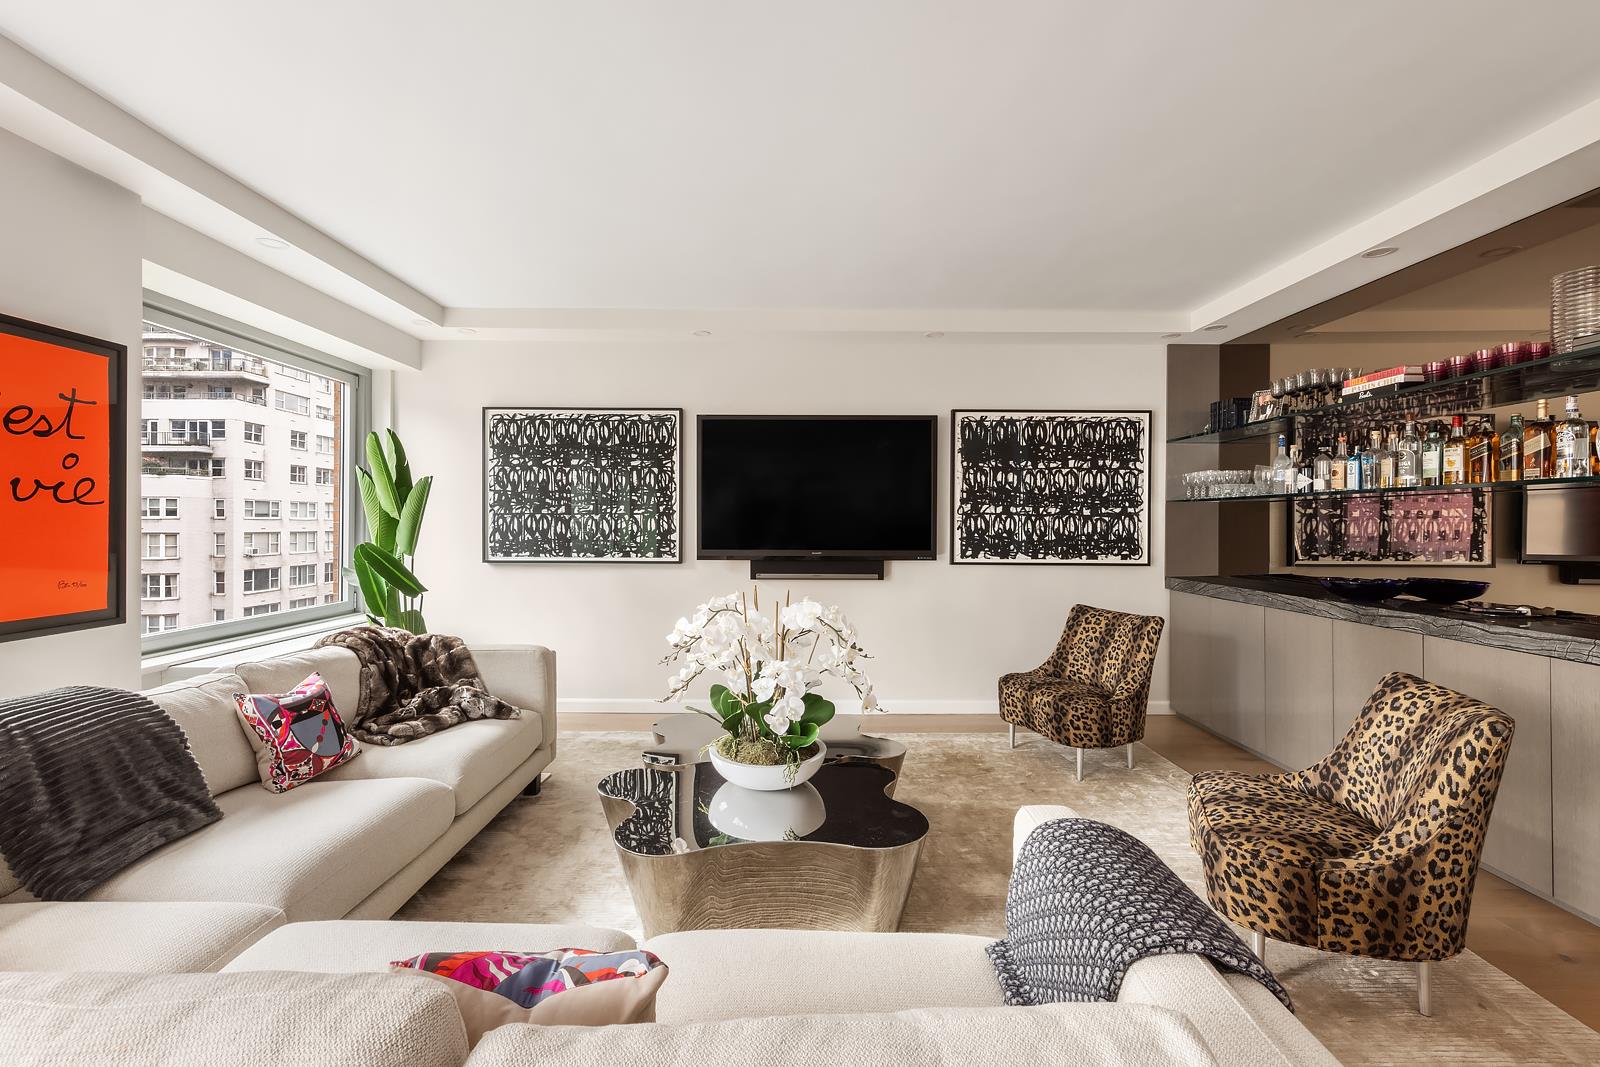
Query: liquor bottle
[(1453, 470), (1369, 460), (1482, 462), (1352, 470), (1322, 470), (1282, 471), (1408, 458), (1341, 465), (1538, 445), (1572, 443), (1299, 471), (1433, 455), (1389, 462), (1511, 451)]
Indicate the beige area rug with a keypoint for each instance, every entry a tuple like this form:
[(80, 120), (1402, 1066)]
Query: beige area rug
[(550, 859)]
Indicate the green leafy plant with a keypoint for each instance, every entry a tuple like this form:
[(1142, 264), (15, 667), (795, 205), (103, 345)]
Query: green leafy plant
[(394, 505)]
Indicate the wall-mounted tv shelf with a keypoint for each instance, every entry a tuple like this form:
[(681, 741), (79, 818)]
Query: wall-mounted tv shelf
[(1567, 373), (1410, 490)]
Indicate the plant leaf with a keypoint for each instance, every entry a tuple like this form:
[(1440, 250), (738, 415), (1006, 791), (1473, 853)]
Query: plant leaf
[(392, 571), (399, 466), (382, 477), (806, 736), (819, 709), (373, 592), (380, 524), (410, 524), (410, 619)]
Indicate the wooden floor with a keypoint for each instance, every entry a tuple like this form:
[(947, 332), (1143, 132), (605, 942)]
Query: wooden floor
[(1552, 952)]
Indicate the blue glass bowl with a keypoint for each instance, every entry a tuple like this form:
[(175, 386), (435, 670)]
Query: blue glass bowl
[(1445, 590), (1366, 590)]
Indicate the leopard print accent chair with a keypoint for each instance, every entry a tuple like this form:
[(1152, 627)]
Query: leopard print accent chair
[(1094, 689), (1372, 852)]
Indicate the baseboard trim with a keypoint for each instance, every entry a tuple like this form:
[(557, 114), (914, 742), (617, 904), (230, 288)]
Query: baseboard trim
[(636, 706)]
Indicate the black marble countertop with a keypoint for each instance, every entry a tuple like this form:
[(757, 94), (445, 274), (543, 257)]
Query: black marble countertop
[(1571, 638)]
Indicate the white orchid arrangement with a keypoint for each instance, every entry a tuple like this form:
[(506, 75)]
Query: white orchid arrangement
[(774, 664)]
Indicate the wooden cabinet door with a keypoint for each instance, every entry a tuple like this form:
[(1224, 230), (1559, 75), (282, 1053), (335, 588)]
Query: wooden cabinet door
[(1519, 841), (1575, 764), (1362, 655), (1299, 688)]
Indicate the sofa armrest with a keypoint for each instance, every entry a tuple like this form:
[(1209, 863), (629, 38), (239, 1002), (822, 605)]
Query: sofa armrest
[(524, 675), (1030, 817)]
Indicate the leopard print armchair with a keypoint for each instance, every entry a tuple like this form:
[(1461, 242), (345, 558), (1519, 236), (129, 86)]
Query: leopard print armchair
[(1094, 689), (1372, 852)]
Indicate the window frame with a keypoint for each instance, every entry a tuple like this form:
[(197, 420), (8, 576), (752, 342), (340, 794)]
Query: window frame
[(220, 331)]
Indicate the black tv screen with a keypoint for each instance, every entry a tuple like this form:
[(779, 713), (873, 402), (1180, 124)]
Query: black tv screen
[(791, 486)]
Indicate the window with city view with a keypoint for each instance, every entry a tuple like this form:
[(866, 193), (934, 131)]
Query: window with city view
[(224, 438)]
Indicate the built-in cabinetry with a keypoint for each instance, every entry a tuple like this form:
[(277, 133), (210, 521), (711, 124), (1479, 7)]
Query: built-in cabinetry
[(1287, 685)]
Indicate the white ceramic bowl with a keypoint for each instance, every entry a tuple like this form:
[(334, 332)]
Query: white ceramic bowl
[(767, 814), (767, 779)]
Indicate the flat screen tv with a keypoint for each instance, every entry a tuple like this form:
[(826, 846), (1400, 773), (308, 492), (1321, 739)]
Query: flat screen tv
[(1561, 526), (817, 486)]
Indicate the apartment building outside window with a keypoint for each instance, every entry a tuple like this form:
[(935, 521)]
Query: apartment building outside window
[(302, 575), (220, 420), (160, 546), (157, 624)]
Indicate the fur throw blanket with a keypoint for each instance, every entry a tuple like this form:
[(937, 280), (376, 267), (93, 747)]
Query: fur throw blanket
[(413, 685)]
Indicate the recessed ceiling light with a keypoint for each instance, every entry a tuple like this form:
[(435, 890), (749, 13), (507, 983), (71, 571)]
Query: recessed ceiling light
[(1170, 336), (1501, 252), (271, 242), (934, 335), (465, 329), (702, 333), (421, 322), (1217, 326), (1379, 253)]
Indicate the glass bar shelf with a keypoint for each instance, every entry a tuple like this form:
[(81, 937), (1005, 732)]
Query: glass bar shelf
[(1460, 487), (1559, 375)]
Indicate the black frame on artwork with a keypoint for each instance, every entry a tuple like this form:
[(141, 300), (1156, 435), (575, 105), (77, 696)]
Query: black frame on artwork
[(116, 610), (955, 487), (483, 503), (804, 553)]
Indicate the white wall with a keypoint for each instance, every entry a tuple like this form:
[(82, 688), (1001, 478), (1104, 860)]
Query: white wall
[(69, 257), (941, 634)]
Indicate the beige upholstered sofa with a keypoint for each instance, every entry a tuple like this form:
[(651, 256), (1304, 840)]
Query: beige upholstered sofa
[(733, 997), (357, 842)]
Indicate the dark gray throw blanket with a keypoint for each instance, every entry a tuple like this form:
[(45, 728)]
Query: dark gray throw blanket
[(413, 685), (91, 780), (1086, 902)]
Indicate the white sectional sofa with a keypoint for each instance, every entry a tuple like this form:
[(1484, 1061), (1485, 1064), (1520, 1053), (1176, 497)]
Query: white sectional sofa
[(357, 842), (734, 997)]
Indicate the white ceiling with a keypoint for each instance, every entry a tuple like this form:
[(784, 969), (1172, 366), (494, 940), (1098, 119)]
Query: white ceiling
[(896, 154)]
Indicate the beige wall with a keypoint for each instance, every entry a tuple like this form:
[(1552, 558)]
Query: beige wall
[(941, 634), (71, 259), (1510, 582)]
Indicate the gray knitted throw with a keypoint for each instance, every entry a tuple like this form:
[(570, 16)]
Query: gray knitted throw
[(1086, 902), (91, 780)]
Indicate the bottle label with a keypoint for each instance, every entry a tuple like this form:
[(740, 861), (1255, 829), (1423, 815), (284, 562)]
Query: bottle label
[(1430, 464)]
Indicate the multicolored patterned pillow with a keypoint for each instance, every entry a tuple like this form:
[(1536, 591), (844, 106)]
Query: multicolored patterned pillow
[(296, 735), (529, 978), (494, 989)]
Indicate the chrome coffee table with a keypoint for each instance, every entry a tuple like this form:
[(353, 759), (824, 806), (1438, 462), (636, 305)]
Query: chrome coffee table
[(835, 853)]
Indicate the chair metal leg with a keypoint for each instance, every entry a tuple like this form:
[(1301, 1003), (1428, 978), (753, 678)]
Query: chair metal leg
[(1258, 945), (1425, 988), (1130, 755), (1013, 728), (1079, 751)]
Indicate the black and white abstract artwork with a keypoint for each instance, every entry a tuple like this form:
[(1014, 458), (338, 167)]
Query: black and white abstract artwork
[(1050, 487), (582, 485)]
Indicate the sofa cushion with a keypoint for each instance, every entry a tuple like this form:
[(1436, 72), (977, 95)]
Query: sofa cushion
[(313, 853), (152, 937), (370, 945), (296, 735), (470, 758), (730, 974), (203, 707), (1108, 1035), (338, 667), (222, 1020)]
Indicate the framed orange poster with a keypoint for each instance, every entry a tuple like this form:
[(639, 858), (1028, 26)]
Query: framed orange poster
[(62, 480)]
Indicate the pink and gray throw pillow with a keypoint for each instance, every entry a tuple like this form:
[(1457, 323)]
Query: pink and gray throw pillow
[(296, 735)]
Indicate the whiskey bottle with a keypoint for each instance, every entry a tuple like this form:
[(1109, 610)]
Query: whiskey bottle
[(1482, 462), (1538, 445), (1571, 438), (1453, 468), (1341, 465), (1511, 451)]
